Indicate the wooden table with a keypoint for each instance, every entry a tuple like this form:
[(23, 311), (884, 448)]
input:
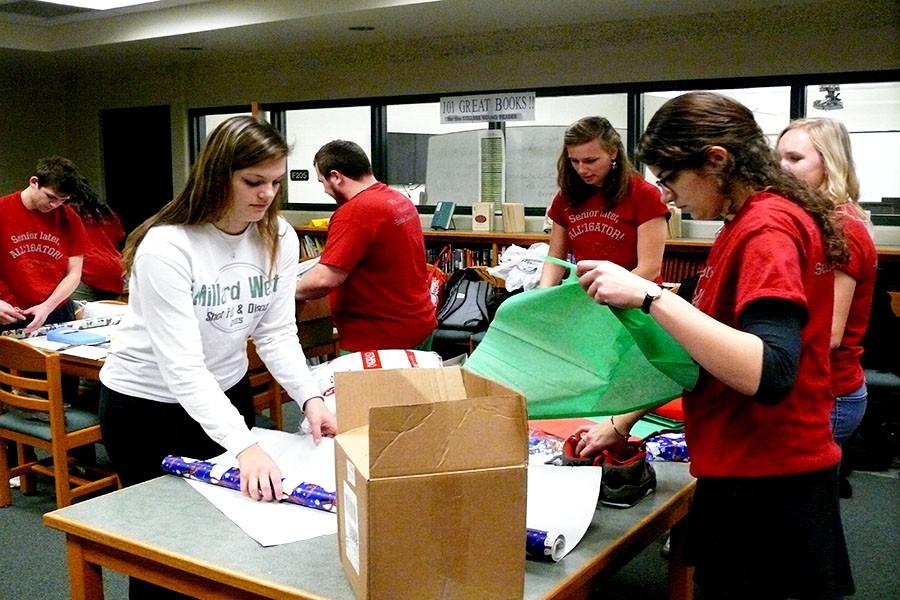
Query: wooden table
[(165, 532)]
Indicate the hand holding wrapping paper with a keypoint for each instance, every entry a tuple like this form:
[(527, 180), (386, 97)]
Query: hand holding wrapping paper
[(310, 495), (572, 357)]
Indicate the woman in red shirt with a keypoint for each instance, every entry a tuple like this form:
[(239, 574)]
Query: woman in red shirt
[(102, 276), (817, 151), (604, 209), (765, 520)]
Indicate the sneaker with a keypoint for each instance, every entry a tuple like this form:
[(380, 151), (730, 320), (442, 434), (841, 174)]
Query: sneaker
[(627, 476), (15, 482), (571, 459)]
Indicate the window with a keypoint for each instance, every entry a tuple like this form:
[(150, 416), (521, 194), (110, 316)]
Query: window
[(532, 148), (444, 161), (771, 107), (410, 128), (309, 129), (871, 113)]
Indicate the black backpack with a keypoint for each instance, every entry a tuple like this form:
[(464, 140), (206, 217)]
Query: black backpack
[(467, 302)]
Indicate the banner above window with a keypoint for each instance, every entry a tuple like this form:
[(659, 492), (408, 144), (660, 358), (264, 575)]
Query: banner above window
[(517, 106)]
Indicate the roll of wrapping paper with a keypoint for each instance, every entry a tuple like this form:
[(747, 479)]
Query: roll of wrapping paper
[(543, 545), (20, 334), (305, 494)]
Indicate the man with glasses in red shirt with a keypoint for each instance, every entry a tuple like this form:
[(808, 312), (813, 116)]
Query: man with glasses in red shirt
[(42, 244)]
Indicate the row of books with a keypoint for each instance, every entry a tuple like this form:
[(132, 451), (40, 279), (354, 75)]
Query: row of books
[(461, 258), (311, 246)]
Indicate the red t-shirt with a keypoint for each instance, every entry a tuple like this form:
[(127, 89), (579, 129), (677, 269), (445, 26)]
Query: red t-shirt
[(596, 233), (771, 249), (35, 248), (102, 261), (846, 370), (384, 303)]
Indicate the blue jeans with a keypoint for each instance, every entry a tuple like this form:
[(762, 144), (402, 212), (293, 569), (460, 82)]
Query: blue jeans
[(847, 413)]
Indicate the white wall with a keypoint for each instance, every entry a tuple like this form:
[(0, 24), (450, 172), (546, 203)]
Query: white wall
[(731, 45)]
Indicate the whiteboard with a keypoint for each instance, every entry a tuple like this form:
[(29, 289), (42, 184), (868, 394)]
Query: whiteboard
[(872, 152), (453, 169), (452, 173), (531, 154)]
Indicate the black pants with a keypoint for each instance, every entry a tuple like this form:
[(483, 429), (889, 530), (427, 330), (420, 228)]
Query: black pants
[(139, 434), (766, 538)]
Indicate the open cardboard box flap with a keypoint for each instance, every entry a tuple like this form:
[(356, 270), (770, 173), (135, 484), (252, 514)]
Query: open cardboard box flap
[(432, 420)]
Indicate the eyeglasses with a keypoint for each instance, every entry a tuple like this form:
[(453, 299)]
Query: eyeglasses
[(53, 198), (663, 181)]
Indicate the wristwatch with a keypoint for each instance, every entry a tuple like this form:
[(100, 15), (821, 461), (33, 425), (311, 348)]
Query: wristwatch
[(652, 292)]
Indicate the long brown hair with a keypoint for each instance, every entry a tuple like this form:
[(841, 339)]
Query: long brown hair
[(683, 130), (615, 184), (237, 143)]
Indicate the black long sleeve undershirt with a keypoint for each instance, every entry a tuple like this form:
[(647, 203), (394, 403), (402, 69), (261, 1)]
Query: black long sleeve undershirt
[(778, 323)]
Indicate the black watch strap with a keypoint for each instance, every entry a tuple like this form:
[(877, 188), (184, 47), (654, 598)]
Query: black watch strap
[(652, 293)]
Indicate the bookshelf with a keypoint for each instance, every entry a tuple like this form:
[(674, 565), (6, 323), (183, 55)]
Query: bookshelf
[(470, 248), (683, 256)]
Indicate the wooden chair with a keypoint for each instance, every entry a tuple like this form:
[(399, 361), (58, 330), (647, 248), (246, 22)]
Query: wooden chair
[(316, 329), (30, 381), (267, 394)]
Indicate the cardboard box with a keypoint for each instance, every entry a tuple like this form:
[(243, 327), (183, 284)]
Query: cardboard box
[(431, 476)]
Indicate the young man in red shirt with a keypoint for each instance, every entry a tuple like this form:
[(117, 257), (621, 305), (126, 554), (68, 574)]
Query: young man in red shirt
[(42, 245), (373, 264)]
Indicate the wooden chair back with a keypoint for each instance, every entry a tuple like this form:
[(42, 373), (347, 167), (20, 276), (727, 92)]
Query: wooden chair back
[(33, 417)]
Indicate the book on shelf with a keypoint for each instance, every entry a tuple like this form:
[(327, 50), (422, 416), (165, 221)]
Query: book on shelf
[(462, 258), (310, 246)]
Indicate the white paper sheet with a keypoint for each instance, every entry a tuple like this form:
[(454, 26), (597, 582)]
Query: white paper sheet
[(272, 523), (44, 344), (562, 500), (89, 352)]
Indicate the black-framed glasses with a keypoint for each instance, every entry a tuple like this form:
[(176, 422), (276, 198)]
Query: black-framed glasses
[(53, 198), (663, 181)]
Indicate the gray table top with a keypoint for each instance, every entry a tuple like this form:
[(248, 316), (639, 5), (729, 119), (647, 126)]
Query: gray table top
[(169, 517)]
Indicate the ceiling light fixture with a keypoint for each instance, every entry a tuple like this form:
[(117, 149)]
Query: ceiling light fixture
[(99, 4), (832, 100)]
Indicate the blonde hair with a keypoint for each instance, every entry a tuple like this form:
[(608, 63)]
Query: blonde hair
[(832, 141)]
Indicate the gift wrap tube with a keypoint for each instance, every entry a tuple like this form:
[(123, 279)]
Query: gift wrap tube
[(305, 494), (544, 545)]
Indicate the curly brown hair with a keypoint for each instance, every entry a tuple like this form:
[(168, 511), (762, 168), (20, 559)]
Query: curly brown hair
[(684, 129)]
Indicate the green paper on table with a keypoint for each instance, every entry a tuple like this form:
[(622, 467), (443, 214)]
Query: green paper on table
[(572, 357)]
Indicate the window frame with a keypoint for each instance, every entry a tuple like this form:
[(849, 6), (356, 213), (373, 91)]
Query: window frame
[(634, 91)]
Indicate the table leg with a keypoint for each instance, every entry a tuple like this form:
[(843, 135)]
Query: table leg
[(681, 577), (85, 579)]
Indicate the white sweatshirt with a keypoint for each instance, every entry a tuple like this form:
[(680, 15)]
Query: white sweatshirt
[(195, 295)]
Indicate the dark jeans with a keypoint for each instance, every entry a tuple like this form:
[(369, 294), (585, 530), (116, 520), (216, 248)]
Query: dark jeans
[(139, 434)]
